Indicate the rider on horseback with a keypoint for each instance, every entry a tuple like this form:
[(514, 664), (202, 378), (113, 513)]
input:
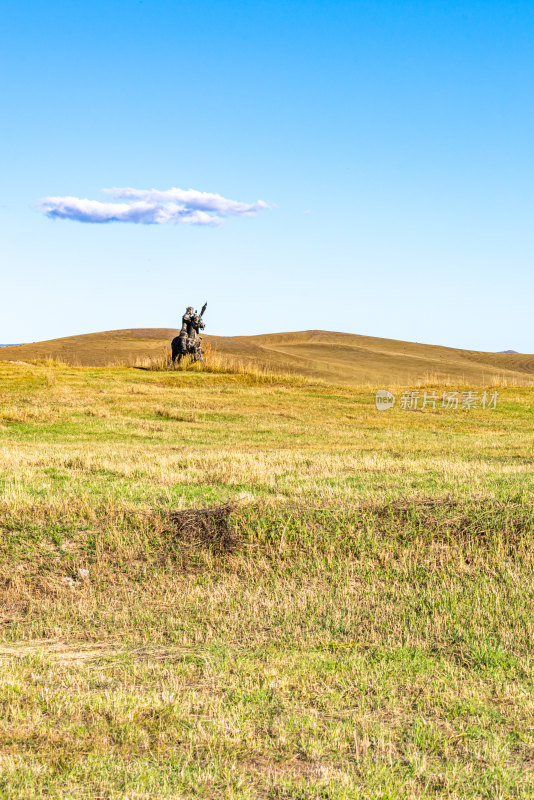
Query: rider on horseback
[(187, 333), (188, 341)]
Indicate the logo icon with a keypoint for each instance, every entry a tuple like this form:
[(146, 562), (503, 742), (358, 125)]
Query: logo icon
[(384, 400)]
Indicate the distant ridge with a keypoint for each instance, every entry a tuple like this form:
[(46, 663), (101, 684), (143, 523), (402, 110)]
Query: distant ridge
[(342, 358), (509, 351), (17, 344)]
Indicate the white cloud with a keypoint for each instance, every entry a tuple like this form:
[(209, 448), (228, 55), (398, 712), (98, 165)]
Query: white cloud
[(190, 198), (150, 207)]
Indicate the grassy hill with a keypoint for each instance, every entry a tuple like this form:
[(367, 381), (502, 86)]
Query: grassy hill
[(336, 357)]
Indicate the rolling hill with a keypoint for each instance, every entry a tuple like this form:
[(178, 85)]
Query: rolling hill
[(337, 357)]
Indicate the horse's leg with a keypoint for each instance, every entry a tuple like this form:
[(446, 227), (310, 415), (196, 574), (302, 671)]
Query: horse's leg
[(175, 349), (176, 355), (198, 354)]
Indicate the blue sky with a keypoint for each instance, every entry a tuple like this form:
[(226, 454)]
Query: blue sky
[(393, 142)]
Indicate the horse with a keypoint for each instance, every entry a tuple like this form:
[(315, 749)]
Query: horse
[(184, 346)]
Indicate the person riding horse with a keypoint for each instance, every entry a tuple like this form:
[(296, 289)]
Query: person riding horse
[(188, 341)]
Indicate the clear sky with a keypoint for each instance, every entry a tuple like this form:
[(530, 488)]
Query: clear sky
[(393, 142)]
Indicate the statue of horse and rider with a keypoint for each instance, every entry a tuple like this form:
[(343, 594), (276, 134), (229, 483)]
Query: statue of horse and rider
[(188, 341)]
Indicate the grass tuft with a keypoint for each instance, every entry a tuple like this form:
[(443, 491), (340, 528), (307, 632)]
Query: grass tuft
[(208, 527)]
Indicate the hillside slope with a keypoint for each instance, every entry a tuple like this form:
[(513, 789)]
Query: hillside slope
[(336, 357)]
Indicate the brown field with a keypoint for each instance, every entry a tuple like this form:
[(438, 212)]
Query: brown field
[(335, 357)]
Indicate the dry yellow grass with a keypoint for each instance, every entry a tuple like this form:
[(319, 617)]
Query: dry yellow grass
[(333, 357)]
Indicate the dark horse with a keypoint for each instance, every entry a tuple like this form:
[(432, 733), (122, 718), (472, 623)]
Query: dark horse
[(185, 346)]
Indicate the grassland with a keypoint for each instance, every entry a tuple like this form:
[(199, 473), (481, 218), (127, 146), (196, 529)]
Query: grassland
[(362, 628), (340, 358)]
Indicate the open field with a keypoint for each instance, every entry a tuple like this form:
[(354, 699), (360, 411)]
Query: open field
[(335, 357), (354, 620)]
